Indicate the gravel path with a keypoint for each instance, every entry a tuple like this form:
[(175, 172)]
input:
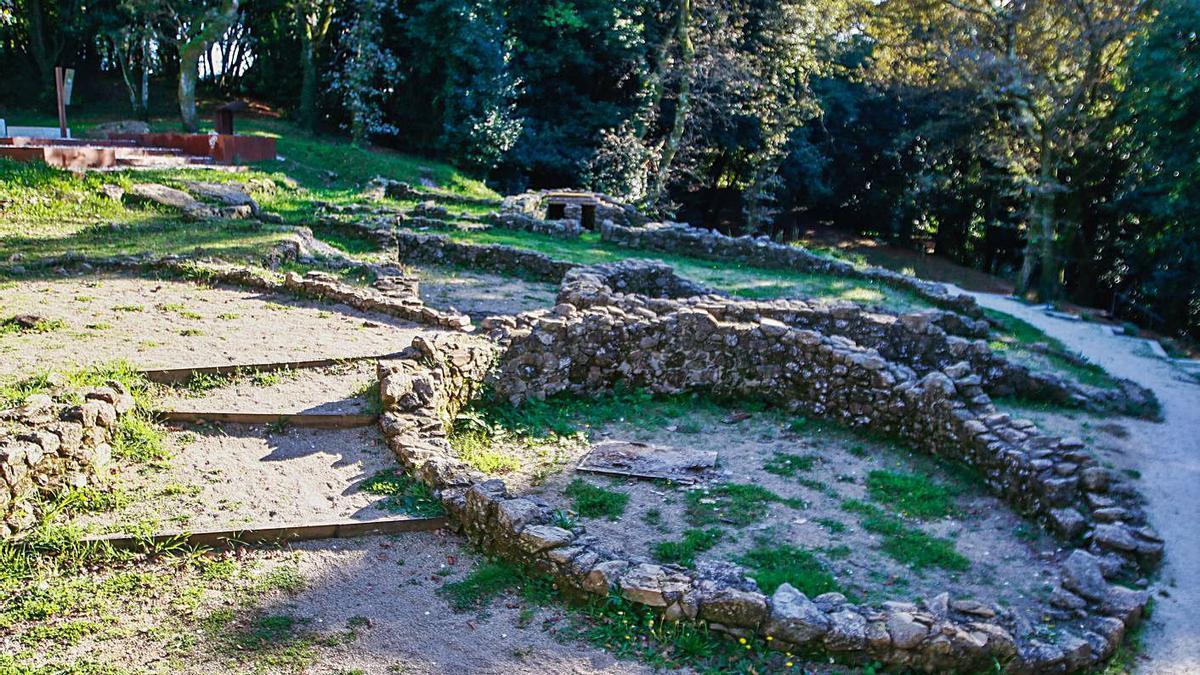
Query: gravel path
[(1168, 456)]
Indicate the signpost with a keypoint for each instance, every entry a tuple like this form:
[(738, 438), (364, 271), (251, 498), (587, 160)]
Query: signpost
[(64, 83)]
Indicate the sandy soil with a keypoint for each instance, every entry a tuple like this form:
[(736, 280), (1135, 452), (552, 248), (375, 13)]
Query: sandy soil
[(154, 323), (233, 475), (1004, 567), (481, 295), (1167, 456), (336, 389), (393, 583), (363, 605)]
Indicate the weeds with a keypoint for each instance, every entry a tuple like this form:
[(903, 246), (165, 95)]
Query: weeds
[(684, 552), (591, 501), (404, 494), (772, 566), (905, 543), (911, 494), (733, 503)]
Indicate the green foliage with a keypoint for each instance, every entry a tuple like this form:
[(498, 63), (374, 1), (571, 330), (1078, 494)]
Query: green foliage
[(906, 543), (774, 565), (591, 501), (784, 464), (404, 494), (684, 552), (484, 583), (911, 494), (733, 503)]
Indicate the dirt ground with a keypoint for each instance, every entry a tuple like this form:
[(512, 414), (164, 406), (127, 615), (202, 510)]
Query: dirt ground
[(340, 389), (160, 323), (480, 295), (226, 476), (1011, 562), (365, 605)]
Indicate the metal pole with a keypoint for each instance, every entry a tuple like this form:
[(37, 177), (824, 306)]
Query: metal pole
[(62, 105)]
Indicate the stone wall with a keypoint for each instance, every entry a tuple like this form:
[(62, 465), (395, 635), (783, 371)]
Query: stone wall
[(924, 341), (682, 239), (46, 447), (415, 248), (586, 351)]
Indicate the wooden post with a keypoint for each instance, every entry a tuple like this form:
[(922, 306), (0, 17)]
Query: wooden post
[(62, 102)]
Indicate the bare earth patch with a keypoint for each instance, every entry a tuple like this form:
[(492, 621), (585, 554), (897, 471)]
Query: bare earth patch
[(346, 388), (164, 323), (480, 295), (234, 475)]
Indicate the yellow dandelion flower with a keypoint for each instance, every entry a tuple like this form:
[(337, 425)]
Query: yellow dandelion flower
[(742, 641), (790, 664)]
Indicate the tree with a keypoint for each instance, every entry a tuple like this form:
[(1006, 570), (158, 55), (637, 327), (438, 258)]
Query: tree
[(461, 50), (367, 68), (193, 26), (130, 33), (1046, 68), (1160, 198), (313, 18)]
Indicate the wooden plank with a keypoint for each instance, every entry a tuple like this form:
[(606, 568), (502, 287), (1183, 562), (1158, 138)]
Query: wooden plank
[(269, 535), (307, 420), (180, 375)]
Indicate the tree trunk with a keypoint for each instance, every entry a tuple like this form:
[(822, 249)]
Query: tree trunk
[(145, 98), (682, 104), (308, 84), (37, 46), (190, 51)]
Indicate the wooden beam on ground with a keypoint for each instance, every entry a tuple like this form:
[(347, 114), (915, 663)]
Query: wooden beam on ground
[(181, 375), (307, 420), (270, 535)]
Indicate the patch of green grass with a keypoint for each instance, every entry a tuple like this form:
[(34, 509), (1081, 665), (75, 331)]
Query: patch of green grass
[(129, 308), (832, 525), (774, 565), (484, 583), (480, 450), (733, 503), (784, 464), (10, 325), (591, 501), (683, 552), (905, 543), (1014, 337), (911, 494), (404, 494), (738, 279)]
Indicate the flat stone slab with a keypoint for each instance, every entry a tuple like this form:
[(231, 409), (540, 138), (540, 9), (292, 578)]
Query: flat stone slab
[(170, 197), (653, 462)]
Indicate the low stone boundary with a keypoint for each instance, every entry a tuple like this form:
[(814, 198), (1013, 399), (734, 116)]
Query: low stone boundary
[(762, 252), (46, 447), (412, 247), (393, 293), (925, 341), (510, 220), (587, 351)]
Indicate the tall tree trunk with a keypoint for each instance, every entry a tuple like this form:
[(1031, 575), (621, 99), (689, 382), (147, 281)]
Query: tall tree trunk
[(1039, 247), (190, 51), (308, 83), (683, 103), (145, 98), (38, 51)]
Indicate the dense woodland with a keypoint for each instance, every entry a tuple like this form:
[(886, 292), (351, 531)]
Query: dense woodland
[(1055, 142)]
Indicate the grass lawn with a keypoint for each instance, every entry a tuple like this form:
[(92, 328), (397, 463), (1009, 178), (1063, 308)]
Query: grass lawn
[(740, 280)]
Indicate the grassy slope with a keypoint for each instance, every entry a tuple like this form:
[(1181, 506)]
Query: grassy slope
[(47, 212)]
